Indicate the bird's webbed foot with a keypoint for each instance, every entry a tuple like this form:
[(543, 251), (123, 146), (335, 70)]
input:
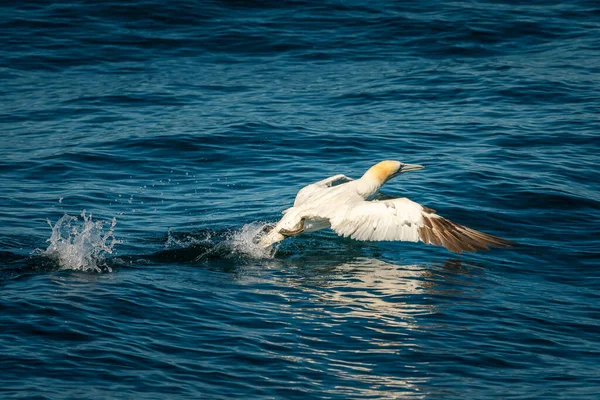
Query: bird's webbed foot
[(293, 232)]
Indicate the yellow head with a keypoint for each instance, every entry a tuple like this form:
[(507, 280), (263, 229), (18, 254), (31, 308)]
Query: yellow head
[(385, 170)]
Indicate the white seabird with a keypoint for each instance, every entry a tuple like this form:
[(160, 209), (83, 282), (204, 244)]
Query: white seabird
[(356, 209)]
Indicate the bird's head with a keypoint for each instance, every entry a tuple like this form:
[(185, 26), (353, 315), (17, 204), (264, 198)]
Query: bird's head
[(386, 170)]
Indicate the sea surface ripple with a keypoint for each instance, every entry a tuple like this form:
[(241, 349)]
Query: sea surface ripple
[(145, 143)]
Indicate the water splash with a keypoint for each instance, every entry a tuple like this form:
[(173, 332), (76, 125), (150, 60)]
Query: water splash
[(81, 244), (240, 243), (247, 241)]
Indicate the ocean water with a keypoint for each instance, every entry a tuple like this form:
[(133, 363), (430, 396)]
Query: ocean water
[(145, 143)]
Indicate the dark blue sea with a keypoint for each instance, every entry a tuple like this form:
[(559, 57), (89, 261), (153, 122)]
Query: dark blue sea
[(144, 144)]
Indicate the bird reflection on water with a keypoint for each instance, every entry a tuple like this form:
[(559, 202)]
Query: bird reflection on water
[(377, 309), (370, 287)]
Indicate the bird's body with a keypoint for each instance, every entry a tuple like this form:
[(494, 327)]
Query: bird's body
[(356, 209)]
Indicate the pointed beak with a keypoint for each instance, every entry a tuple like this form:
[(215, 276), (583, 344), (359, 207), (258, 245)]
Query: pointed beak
[(410, 167)]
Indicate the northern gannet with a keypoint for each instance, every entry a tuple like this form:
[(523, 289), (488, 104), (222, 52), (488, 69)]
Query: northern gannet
[(356, 209)]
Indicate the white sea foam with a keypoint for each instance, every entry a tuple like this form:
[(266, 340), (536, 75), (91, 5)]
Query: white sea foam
[(81, 244)]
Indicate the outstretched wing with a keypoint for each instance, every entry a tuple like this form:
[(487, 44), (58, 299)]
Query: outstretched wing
[(457, 238), (395, 219), (309, 191), (405, 220)]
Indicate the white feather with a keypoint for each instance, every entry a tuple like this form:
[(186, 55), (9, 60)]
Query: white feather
[(396, 219)]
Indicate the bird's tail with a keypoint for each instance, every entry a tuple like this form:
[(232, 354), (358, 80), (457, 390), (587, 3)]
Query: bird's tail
[(268, 237)]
